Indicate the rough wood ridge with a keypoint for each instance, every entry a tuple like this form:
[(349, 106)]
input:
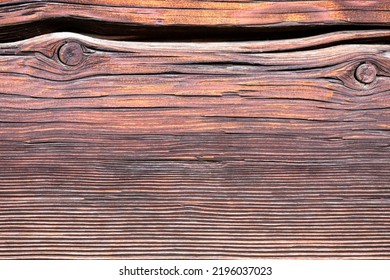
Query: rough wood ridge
[(208, 12), (195, 150)]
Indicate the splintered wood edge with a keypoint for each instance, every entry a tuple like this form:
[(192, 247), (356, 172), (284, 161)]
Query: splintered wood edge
[(33, 44), (200, 13)]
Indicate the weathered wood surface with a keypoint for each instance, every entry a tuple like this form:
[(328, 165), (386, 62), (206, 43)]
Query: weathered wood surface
[(195, 150), (208, 12), (27, 18)]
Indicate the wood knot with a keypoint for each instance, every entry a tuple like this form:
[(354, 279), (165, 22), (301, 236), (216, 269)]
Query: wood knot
[(366, 73), (71, 53)]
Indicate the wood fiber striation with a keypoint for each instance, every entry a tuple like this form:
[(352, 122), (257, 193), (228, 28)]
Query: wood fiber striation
[(195, 150), (23, 19)]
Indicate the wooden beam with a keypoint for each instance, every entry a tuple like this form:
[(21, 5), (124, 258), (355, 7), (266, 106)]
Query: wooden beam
[(195, 150)]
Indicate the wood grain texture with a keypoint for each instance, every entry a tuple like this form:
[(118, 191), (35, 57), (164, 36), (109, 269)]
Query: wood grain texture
[(24, 18), (195, 150), (208, 12)]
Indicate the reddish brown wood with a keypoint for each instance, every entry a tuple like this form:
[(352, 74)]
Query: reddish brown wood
[(195, 150), (72, 54), (21, 19), (207, 13), (366, 73)]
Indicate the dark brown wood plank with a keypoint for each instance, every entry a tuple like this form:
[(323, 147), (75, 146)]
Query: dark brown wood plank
[(195, 150)]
